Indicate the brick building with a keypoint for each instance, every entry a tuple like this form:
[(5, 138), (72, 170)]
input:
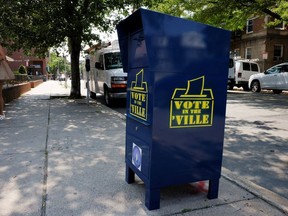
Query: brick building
[(267, 44), (34, 65)]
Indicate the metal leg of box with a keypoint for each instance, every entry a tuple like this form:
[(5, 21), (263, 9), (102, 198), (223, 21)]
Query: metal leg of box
[(130, 175), (152, 198), (213, 189)]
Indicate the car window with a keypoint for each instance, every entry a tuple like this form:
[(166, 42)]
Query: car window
[(284, 68), (113, 60), (246, 66), (273, 70), (254, 67)]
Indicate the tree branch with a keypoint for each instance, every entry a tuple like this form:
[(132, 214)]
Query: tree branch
[(272, 14)]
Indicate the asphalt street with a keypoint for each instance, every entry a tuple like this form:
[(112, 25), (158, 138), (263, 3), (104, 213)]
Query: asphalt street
[(256, 139), (249, 118)]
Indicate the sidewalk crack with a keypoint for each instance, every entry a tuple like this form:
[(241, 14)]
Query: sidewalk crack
[(45, 169)]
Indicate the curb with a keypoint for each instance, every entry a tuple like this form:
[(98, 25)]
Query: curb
[(268, 196)]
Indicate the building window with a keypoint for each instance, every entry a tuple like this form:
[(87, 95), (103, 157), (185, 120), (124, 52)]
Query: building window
[(280, 26), (278, 52), (248, 53), (249, 27)]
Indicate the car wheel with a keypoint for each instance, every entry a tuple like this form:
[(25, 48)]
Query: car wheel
[(276, 91), (107, 98), (92, 95), (255, 86)]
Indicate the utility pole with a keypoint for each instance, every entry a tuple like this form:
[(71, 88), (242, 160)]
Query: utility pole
[(87, 66), (65, 72), (58, 72)]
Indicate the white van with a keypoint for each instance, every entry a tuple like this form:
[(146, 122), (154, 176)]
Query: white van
[(243, 69), (108, 77)]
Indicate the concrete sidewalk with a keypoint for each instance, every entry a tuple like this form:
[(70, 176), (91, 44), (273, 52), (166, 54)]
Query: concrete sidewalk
[(63, 157)]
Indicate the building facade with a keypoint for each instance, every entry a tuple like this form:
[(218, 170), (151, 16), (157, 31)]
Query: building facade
[(34, 65), (269, 45)]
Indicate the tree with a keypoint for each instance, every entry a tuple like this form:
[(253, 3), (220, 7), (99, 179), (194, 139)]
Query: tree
[(42, 24), (56, 62), (228, 14), (22, 70)]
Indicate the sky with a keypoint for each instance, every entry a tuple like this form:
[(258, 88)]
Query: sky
[(105, 37)]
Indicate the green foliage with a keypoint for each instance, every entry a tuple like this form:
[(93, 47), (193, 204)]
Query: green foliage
[(22, 70), (282, 9), (228, 14), (41, 24), (56, 62)]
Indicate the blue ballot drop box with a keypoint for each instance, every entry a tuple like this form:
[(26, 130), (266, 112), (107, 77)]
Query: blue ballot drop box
[(176, 101)]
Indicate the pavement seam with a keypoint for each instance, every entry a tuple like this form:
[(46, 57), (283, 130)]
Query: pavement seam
[(45, 168)]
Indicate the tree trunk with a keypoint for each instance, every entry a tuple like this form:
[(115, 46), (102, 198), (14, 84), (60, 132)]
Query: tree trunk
[(75, 48)]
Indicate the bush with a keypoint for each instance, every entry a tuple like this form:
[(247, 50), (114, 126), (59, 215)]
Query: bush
[(22, 70)]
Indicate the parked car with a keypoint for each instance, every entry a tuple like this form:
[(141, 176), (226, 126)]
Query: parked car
[(240, 71), (62, 77), (274, 78)]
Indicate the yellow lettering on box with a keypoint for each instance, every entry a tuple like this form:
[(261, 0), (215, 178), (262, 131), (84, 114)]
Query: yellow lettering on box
[(139, 97), (192, 107)]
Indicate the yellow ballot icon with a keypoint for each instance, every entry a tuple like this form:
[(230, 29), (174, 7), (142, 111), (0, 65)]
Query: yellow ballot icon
[(139, 97), (192, 106)]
